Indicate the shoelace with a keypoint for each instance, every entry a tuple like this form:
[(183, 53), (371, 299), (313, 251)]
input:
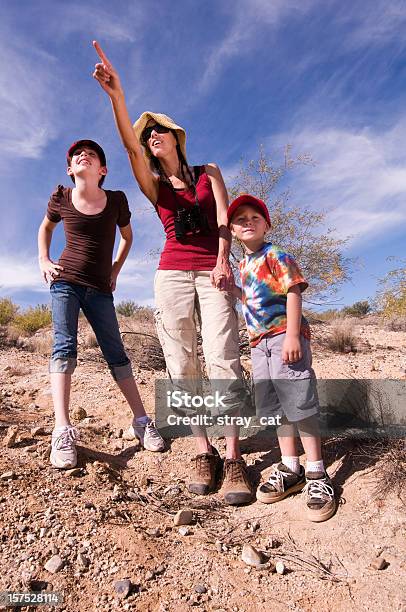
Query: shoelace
[(318, 489), (202, 465), (152, 431), (234, 470), (276, 480), (66, 438)]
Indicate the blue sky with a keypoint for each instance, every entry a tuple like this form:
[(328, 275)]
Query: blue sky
[(326, 76)]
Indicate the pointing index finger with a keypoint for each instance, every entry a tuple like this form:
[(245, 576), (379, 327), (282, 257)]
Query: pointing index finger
[(101, 53)]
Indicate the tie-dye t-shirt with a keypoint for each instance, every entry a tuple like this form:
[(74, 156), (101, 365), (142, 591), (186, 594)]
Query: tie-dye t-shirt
[(266, 276)]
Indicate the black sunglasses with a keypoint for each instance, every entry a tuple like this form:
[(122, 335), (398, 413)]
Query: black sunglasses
[(146, 133)]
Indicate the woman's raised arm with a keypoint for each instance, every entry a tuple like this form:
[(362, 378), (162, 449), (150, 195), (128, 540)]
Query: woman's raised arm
[(109, 81)]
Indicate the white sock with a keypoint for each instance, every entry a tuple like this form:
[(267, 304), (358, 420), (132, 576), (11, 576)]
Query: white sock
[(144, 420), (292, 463), (315, 466)]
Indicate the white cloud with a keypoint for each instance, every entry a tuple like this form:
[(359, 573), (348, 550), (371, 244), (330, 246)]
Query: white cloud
[(249, 19), (90, 20), (360, 177), (27, 90), (21, 273), (380, 22)]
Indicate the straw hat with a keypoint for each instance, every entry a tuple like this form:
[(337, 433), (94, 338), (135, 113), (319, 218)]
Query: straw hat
[(164, 120)]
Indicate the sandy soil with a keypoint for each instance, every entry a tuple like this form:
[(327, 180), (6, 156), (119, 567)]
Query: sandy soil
[(114, 519)]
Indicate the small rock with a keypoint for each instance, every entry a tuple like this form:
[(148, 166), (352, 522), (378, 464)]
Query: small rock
[(42, 532), (82, 560), (252, 556), (119, 433), (149, 576), (280, 568), (8, 475), (79, 414), (10, 438), (200, 588), (219, 546), (38, 431), (184, 531), (30, 538), (118, 445), (255, 526), (379, 563), (73, 472), (154, 532), (122, 588), (183, 517), (128, 435), (54, 564)]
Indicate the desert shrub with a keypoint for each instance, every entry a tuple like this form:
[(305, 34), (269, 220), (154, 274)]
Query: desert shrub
[(392, 472), (8, 311), (391, 296), (90, 340), (33, 319), (342, 338), (395, 323), (358, 309), (40, 343), (126, 308), (326, 316), (129, 309)]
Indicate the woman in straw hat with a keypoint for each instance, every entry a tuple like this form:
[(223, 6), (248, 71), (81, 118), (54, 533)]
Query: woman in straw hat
[(194, 275)]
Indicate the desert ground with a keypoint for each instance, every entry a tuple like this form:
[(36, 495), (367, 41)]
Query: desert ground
[(112, 519)]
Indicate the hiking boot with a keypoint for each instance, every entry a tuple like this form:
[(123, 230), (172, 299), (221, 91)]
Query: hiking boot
[(236, 487), (281, 483), (207, 469), (319, 497), (148, 435), (63, 449)]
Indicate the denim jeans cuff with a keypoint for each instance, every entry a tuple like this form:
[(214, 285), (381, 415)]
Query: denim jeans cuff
[(121, 372), (62, 365)]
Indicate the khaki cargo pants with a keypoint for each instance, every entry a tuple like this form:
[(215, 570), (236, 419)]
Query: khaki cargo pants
[(183, 298)]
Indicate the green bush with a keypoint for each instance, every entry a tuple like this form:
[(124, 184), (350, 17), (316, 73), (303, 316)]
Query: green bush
[(391, 296), (143, 314), (126, 308), (342, 338), (8, 311), (33, 319), (359, 309)]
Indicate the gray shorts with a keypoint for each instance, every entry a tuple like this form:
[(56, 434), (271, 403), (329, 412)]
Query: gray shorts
[(283, 389)]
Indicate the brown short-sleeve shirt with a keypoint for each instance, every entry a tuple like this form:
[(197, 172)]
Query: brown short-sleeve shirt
[(87, 256)]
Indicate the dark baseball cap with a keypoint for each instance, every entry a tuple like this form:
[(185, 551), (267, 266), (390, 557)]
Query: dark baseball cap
[(248, 200), (90, 144)]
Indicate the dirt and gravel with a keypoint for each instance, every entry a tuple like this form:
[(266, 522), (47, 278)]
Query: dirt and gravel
[(104, 534)]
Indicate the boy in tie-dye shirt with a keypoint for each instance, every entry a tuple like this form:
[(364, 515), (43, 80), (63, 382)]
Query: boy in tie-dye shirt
[(285, 386)]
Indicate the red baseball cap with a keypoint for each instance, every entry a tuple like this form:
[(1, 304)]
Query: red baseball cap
[(249, 200), (90, 144)]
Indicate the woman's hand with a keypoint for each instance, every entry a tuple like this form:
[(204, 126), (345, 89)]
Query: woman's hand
[(114, 274), (291, 349), (222, 276), (49, 269), (106, 75)]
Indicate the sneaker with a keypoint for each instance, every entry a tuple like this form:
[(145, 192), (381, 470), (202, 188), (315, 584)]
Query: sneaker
[(319, 497), (148, 435), (207, 469), (63, 449), (281, 483), (236, 487)]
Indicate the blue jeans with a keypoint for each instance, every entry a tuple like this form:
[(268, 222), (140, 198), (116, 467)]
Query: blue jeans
[(98, 308)]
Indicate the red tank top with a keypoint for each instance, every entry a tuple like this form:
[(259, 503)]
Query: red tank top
[(193, 252)]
